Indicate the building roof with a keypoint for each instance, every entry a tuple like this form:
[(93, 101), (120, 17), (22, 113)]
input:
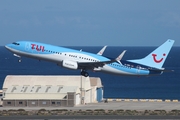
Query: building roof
[(42, 89), (43, 80), (39, 92)]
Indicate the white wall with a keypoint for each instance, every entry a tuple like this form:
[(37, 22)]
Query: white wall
[(78, 99)]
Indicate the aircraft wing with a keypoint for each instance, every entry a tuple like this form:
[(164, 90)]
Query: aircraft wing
[(92, 65)]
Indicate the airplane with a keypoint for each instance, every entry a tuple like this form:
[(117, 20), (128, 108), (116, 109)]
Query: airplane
[(84, 61)]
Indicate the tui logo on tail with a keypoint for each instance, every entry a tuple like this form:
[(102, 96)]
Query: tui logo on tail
[(157, 61)]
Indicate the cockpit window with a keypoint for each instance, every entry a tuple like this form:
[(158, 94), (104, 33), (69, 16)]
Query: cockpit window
[(15, 43)]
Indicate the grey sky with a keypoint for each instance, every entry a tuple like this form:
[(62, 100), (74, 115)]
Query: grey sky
[(90, 22)]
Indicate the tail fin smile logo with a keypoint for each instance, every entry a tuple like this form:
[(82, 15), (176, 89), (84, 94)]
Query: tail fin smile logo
[(157, 61), (157, 57)]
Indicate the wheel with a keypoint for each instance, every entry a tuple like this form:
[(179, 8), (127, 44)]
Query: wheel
[(84, 73)]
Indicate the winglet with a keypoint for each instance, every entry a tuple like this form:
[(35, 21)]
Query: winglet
[(120, 56), (102, 50)]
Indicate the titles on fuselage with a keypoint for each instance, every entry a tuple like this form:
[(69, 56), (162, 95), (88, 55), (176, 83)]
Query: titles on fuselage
[(37, 47)]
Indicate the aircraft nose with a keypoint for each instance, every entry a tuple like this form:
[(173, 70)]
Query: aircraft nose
[(7, 46)]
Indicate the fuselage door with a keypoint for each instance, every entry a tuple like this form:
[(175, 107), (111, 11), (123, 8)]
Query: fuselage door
[(28, 47), (138, 68)]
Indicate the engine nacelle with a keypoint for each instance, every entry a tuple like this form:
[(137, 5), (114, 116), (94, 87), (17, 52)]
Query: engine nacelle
[(70, 64)]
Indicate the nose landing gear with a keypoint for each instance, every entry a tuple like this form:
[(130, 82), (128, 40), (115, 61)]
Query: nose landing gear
[(19, 60), (18, 57)]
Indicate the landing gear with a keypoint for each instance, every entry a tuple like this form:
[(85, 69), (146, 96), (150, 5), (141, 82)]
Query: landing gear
[(84, 73), (18, 57), (19, 60)]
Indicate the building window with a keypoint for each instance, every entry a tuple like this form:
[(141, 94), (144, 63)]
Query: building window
[(58, 103), (9, 103), (20, 102), (44, 102), (33, 103), (53, 103)]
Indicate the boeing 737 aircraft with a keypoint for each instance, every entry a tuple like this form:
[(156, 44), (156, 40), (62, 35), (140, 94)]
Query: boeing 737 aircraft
[(74, 59)]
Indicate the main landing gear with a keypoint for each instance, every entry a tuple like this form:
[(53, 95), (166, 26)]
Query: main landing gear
[(84, 73)]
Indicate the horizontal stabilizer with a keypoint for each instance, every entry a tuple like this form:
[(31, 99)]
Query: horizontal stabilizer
[(162, 70)]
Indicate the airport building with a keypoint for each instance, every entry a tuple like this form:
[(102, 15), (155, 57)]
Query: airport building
[(47, 91)]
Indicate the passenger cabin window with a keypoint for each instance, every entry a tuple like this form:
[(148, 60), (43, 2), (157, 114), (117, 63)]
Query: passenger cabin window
[(15, 43)]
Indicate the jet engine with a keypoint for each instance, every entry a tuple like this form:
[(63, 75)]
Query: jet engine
[(70, 64)]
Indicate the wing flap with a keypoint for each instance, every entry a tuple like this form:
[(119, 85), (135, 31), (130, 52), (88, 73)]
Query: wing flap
[(92, 65)]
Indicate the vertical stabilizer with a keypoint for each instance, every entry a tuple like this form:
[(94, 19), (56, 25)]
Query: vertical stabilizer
[(156, 58)]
